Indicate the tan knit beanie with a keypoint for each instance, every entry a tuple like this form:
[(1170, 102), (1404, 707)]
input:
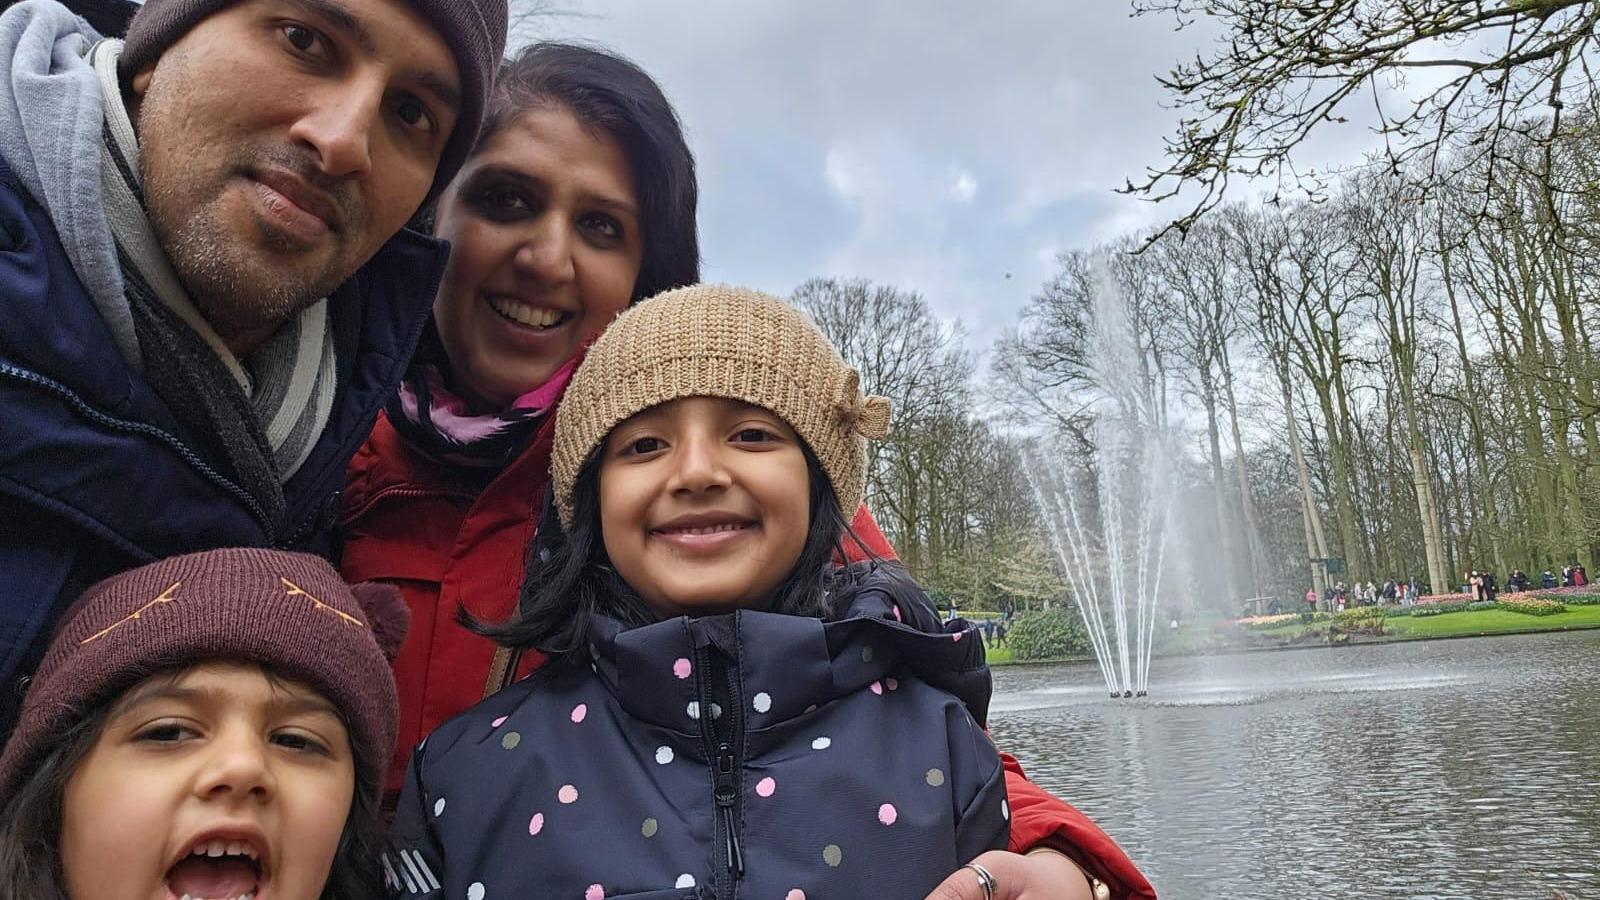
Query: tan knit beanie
[(719, 341)]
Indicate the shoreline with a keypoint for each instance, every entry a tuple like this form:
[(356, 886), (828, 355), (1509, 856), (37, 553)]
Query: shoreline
[(1397, 637)]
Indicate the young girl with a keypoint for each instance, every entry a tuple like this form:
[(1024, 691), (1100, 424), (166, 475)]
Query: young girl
[(724, 712), (208, 726)]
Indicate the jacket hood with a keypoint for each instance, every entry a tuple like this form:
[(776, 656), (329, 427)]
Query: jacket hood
[(787, 665)]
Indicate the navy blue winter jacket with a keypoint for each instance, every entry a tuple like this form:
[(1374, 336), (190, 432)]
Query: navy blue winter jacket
[(747, 754), (96, 475)]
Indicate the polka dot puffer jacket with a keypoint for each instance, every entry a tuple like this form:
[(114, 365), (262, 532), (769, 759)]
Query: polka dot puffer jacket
[(740, 755)]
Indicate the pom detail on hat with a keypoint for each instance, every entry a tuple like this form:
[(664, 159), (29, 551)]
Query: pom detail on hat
[(387, 614)]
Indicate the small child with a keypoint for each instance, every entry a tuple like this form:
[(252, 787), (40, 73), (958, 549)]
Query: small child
[(724, 709), (208, 726)]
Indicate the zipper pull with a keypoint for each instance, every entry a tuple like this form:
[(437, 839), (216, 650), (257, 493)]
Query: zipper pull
[(727, 793)]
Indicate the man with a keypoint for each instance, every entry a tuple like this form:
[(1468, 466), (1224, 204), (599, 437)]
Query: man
[(205, 291)]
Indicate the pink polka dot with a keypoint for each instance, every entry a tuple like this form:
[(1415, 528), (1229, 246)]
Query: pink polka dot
[(498, 722), (877, 687), (567, 794), (887, 814), (595, 892), (765, 787), (682, 669), (812, 708), (795, 894), (897, 618), (892, 684), (958, 636), (579, 711), (536, 824)]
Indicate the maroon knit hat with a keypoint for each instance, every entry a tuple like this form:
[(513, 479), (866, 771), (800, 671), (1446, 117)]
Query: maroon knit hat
[(289, 612), (475, 31)]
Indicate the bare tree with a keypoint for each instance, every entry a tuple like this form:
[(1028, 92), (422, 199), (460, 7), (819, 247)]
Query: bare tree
[(1285, 68)]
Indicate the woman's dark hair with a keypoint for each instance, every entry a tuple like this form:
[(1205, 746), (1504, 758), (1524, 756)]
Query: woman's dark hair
[(569, 577), (612, 96), (32, 817)]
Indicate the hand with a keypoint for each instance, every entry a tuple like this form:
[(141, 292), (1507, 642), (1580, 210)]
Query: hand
[(1043, 874)]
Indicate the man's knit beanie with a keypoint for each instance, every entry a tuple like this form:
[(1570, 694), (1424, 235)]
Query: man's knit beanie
[(475, 31), (291, 613), (720, 341)]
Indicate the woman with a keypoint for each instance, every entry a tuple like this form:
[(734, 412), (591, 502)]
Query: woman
[(578, 201)]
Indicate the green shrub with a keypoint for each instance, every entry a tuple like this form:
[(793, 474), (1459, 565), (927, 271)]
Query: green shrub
[(1477, 605), (1439, 609), (1051, 634), (1531, 607), (1582, 600)]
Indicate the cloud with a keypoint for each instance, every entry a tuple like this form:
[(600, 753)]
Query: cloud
[(944, 146)]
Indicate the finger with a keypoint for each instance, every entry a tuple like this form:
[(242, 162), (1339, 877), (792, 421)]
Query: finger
[(963, 884)]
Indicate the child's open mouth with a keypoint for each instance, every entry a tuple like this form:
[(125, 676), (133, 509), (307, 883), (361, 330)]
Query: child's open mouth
[(217, 870)]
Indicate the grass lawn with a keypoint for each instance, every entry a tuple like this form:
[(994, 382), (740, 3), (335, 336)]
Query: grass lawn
[(1490, 621)]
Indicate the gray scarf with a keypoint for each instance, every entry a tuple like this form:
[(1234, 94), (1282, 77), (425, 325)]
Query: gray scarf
[(271, 409)]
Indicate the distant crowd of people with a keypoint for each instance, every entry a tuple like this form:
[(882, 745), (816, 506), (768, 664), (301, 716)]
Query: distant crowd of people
[(1340, 596)]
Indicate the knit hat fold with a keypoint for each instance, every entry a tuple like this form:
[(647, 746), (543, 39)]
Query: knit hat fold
[(291, 613), (720, 341)]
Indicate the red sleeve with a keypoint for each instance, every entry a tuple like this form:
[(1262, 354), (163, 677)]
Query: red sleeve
[(1038, 819), (869, 539)]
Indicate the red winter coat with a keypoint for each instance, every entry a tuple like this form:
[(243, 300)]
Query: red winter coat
[(452, 539)]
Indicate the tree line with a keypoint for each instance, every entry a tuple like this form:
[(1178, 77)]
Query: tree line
[(1399, 379)]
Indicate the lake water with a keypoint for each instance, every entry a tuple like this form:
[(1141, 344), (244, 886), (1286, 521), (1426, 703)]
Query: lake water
[(1439, 769)]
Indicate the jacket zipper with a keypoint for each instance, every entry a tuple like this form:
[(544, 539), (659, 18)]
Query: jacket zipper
[(722, 750)]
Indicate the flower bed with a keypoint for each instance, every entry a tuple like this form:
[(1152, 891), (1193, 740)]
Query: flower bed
[(1532, 606)]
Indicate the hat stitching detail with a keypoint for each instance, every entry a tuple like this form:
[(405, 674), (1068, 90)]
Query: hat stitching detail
[(296, 590), (163, 597)]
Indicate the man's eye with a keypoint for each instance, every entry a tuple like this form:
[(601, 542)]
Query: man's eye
[(300, 37), (411, 111)]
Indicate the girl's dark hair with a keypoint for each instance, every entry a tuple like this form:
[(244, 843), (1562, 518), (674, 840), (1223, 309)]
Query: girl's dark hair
[(31, 818), (614, 97), (569, 577)]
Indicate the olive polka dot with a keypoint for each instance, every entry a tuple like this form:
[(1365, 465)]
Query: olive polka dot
[(510, 740), (650, 827), (475, 891), (832, 855), (892, 684), (935, 777), (866, 654)]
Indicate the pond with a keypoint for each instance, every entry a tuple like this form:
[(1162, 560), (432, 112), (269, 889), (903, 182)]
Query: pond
[(1439, 769)]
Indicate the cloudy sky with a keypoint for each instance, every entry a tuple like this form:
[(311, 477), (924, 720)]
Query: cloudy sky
[(935, 145)]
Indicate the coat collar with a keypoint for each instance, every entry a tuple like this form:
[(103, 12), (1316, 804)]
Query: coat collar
[(784, 666)]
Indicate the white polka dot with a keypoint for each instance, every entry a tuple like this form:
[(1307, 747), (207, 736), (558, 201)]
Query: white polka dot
[(1005, 810), (475, 891), (685, 881), (694, 709), (762, 702), (663, 754), (716, 711), (438, 807), (822, 743)]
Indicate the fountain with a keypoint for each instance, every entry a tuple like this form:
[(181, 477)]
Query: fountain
[(1112, 547)]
